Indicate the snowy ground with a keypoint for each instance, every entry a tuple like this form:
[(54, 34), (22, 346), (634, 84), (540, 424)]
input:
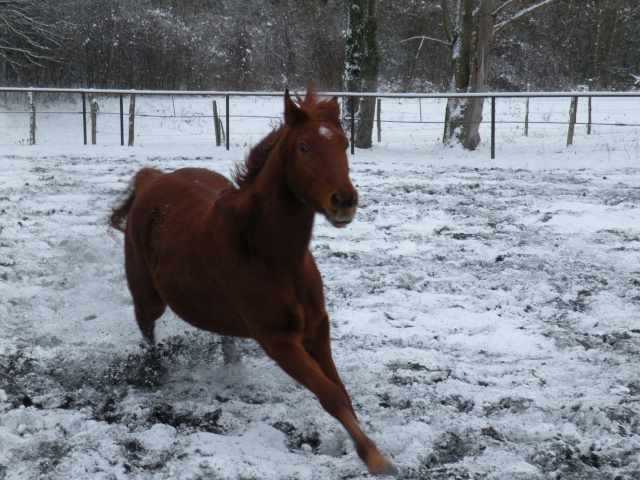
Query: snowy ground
[(485, 319)]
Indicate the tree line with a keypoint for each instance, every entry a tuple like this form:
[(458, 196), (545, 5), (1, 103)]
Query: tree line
[(354, 45)]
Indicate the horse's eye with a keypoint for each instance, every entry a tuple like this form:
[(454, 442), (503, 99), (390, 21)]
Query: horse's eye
[(304, 148)]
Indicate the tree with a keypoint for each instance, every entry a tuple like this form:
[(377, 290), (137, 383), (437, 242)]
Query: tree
[(362, 64), (27, 37), (611, 16), (471, 36), (266, 44)]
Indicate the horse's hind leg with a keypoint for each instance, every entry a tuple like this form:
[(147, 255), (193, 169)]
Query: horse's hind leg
[(230, 351), (148, 305), (147, 312), (148, 308)]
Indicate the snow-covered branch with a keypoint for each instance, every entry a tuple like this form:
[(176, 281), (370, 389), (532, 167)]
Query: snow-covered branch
[(27, 36), (423, 38), (446, 22), (522, 13), (503, 7)]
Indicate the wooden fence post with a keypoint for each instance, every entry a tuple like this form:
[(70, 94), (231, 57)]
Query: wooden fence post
[(378, 111), (132, 117), (216, 124), (94, 118), (32, 122), (573, 110)]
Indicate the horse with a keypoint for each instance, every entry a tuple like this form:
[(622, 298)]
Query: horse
[(233, 258)]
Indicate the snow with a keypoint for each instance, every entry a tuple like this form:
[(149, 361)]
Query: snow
[(484, 312)]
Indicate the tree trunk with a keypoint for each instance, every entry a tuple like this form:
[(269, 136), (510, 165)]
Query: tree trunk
[(594, 81), (465, 115), (469, 135), (460, 67), (612, 45), (362, 65)]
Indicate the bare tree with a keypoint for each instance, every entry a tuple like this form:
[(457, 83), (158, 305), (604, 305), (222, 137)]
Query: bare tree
[(27, 36), (470, 63), (471, 67), (362, 64), (612, 15), (470, 36), (265, 44)]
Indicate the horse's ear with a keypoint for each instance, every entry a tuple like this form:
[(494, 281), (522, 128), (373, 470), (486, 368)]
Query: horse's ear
[(293, 114), (336, 103), (332, 111)]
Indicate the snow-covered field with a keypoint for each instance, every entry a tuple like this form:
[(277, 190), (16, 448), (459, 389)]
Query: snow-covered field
[(485, 318)]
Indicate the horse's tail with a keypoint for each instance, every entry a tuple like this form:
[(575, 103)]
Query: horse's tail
[(118, 217)]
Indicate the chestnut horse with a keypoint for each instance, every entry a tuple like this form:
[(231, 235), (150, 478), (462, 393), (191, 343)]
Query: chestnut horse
[(235, 260)]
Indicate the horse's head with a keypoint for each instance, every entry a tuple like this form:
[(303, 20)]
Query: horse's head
[(318, 170)]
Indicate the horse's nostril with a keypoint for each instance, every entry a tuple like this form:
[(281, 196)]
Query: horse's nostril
[(336, 202)]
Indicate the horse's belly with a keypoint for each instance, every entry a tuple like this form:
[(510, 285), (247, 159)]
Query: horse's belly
[(204, 307)]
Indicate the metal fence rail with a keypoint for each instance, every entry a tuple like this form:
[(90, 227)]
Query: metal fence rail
[(350, 99)]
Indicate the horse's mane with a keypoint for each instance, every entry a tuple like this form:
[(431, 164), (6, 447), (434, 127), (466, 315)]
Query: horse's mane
[(325, 110), (245, 173)]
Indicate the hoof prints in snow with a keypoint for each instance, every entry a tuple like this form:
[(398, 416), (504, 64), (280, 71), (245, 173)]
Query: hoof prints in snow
[(484, 320)]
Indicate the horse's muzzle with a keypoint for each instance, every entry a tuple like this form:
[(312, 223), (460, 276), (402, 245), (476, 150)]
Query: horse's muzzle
[(343, 209)]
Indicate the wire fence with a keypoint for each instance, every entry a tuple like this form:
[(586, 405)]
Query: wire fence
[(241, 119)]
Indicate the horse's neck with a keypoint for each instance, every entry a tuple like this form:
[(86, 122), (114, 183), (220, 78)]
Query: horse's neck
[(280, 223)]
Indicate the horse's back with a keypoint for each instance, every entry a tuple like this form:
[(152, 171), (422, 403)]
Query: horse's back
[(196, 183), (191, 188), (174, 199), (144, 177), (203, 179)]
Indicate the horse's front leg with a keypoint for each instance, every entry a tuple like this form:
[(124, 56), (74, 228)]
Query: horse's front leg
[(230, 354), (287, 350), (319, 347)]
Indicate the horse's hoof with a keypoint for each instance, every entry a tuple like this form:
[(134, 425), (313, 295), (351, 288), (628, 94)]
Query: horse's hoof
[(388, 469)]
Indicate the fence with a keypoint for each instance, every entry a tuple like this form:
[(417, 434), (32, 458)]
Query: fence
[(245, 116)]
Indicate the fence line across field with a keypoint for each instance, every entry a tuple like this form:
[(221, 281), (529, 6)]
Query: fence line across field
[(90, 109)]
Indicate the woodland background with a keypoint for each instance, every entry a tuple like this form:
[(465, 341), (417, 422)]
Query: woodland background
[(267, 44)]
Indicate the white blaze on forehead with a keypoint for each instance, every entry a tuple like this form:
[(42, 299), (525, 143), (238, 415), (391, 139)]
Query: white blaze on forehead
[(325, 132)]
